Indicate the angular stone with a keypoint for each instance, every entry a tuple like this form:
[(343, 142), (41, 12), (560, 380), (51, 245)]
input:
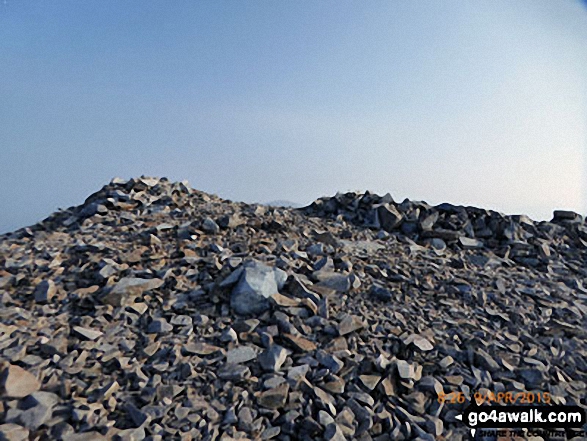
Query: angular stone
[(330, 361), (234, 372), (87, 333), (422, 343), (159, 326), (434, 425), (431, 384), (210, 226), (285, 301), (486, 361), (334, 433), (181, 320), (274, 398), (405, 370), (446, 362), (241, 354), (428, 222), (45, 291), (349, 323), (457, 380), (273, 358), (335, 281), (84, 436), (468, 243), (380, 293), (257, 283), (388, 387), (17, 382), (335, 386), (370, 381), (38, 411), (201, 348), (127, 288), (389, 217), (301, 344), (325, 399), (13, 432), (297, 373)]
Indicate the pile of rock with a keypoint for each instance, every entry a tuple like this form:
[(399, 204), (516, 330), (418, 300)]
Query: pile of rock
[(155, 311), (515, 237)]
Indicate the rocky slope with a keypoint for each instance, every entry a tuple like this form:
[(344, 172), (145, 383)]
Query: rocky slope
[(155, 311)]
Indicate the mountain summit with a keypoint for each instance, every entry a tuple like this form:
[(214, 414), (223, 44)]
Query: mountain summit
[(156, 311)]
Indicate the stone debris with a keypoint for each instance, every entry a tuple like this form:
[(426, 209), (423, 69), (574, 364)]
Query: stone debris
[(156, 311)]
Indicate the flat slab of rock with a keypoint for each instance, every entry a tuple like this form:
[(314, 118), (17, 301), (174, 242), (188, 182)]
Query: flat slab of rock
[(17, 382), (349, 323), (201, 348), (274, 398), (405, 370), (336, 281), (300, 343), (13, 432), (234, 372), (421, 342), (129, 288), (241, 354), (87, 333), (469, 243)]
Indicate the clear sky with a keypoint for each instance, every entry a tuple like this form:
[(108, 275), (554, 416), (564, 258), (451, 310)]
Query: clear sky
[(470, 102)]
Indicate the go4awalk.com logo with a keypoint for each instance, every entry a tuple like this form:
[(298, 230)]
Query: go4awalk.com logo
[(541, 417)]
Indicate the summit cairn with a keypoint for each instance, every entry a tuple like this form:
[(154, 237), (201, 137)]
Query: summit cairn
[(156, 311)]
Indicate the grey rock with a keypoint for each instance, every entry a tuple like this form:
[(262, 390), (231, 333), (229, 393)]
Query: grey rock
[(181, 320), (381, 293), (333, 433), (274, 398), (35, 416), (273, 358), (469, 243), (389, 218), (229, 335), (349, 323), (159, 326), (257, 283), (45, 291), (87, 333), (234, 372), (210, 226), (241, 354), (270, 432), (336, 281), (486, 361), (329, 361), (405, 370)]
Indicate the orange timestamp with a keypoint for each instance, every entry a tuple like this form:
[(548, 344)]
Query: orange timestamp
[(507, 398)]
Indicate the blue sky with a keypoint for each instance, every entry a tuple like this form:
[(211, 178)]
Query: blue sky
[(478, 103)]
